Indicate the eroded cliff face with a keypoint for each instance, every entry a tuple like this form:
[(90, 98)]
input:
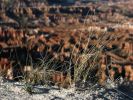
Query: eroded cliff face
[(61, 33)]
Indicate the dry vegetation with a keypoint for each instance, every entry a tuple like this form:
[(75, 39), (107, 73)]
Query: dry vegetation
[(66, 45)]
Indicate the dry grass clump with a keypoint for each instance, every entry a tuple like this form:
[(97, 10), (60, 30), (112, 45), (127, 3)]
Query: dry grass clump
[(43, 74), (46, 77), (88, 65), (34, 76), (85, 67)]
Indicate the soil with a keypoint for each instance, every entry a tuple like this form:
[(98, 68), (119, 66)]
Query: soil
[(16, 91)]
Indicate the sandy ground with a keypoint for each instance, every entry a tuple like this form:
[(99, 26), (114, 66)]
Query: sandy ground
[(15, 91)]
